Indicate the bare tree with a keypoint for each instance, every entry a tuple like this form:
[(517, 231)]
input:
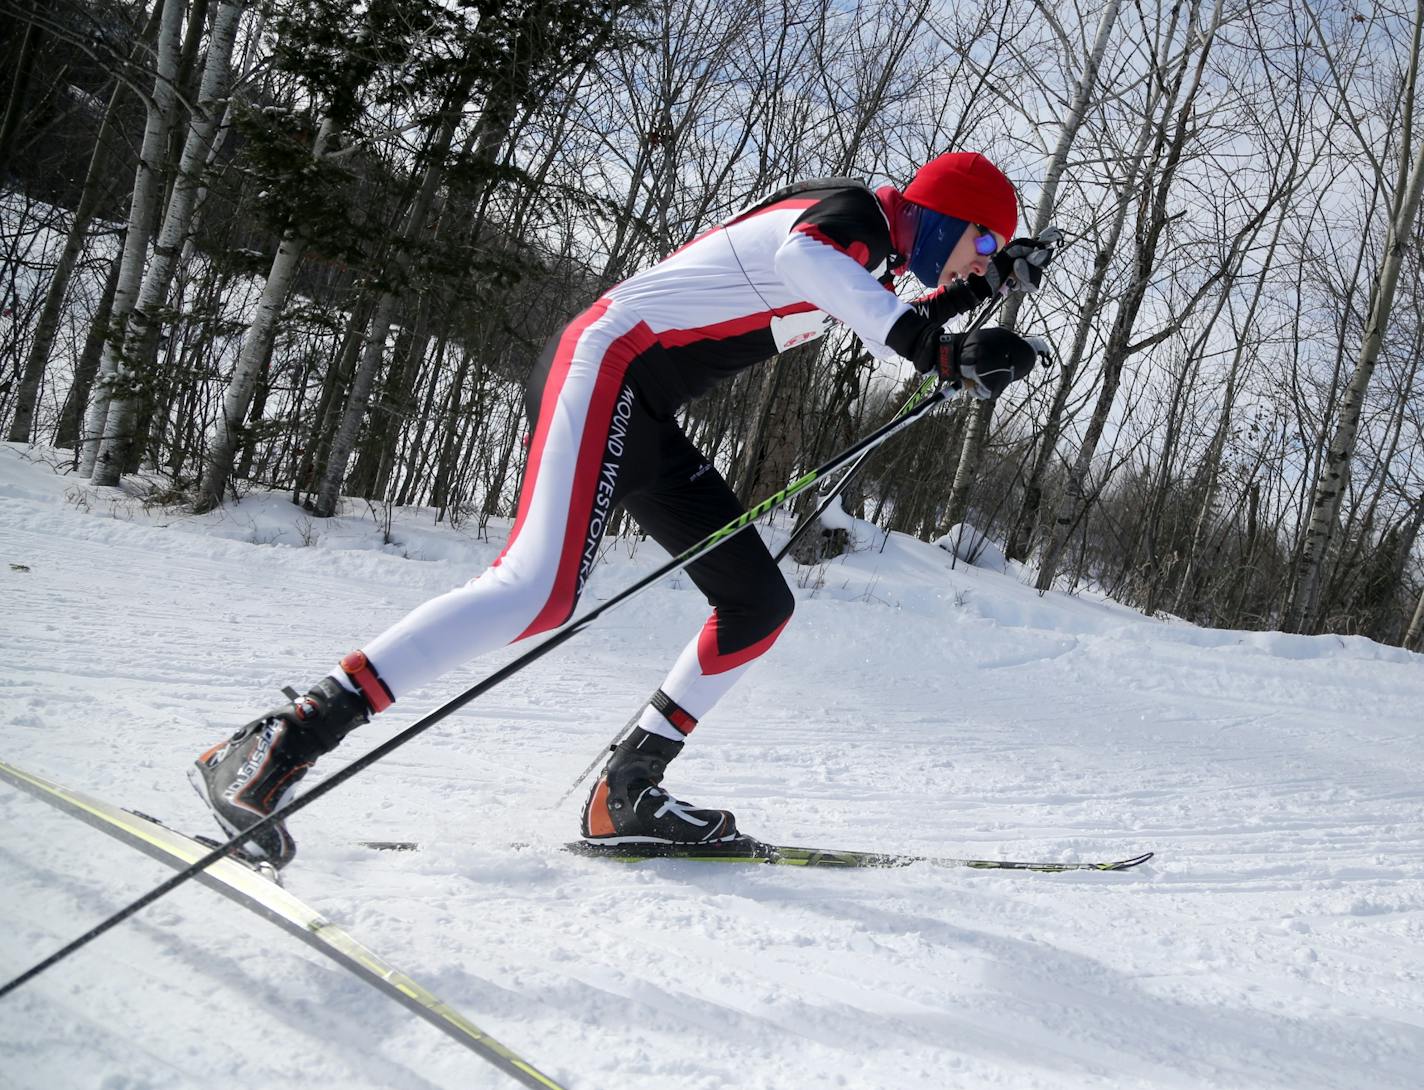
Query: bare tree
[(1414, 636), (967, 469), (141, 339), (374, 266), (1330, 488), (94, 192), (1166, 156), (114, 377)]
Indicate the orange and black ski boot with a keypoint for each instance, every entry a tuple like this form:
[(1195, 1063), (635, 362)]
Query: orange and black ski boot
[(628, 806)]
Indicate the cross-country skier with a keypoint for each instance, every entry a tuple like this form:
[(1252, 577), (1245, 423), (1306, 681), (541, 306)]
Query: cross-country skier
[(602, 405)]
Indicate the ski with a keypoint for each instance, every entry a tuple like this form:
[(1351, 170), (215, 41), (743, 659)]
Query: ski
[(250, 886), (750, 850)]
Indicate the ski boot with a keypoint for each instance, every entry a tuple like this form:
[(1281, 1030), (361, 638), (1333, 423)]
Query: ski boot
[(255, 771), (627, 805)]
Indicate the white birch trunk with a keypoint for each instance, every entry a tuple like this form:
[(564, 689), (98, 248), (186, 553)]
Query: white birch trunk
[(147, 180), (256, 344), (1058, 164), (157, 283), (1335, 477), (1416, 626), (1091, 310), (1075, 499)]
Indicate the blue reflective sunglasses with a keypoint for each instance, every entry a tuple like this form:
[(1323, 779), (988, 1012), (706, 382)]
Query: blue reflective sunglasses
[(984, 245)]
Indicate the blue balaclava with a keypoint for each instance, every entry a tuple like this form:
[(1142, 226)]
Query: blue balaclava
[(935, 236)]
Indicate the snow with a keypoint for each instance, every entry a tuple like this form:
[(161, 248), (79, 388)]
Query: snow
[(914, 704), (973, 546)]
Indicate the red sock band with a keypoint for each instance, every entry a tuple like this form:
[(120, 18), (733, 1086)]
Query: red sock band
[(363, 675), (673, 713)]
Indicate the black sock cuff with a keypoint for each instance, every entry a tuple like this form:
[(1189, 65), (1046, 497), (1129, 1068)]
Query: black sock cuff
[(647, 744)]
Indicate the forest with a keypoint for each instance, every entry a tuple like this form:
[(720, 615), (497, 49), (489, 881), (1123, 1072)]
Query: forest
[(316, 246)]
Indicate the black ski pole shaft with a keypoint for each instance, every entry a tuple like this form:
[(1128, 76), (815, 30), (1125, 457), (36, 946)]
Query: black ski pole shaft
[(562, 636), (599, 756), (829, 497)]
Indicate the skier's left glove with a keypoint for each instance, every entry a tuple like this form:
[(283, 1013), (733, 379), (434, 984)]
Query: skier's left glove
[(985, 361), (1019, 266)]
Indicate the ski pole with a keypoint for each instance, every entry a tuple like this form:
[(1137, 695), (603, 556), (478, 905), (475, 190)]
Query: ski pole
[(601, 755), (563, 635)]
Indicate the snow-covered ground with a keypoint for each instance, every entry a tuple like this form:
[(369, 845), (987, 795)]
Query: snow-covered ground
[(1277, 941)]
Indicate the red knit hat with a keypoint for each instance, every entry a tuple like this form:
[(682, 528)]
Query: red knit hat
[(965, 185)]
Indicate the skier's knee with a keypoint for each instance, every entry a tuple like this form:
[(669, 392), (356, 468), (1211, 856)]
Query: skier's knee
[(780, 603), (767, 613)]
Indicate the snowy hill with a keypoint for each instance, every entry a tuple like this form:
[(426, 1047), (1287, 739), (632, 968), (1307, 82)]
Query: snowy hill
[(915, 704)]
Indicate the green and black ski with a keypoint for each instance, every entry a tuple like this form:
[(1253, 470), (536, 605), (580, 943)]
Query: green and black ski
[(749, 850)]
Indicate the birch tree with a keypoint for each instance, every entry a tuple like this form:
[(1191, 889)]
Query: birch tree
[(148, 181), (1334, 479), (1167, 155), (1132, 161), (95, 191), (141, 339), (1414, 635), (308, 177)]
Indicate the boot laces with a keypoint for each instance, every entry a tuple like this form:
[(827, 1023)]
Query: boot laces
[(676, 807)]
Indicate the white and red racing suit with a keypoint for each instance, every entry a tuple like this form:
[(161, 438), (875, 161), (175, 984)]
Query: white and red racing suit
[(602, 404)]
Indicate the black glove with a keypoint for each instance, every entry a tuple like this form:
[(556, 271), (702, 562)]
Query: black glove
[(915, 334), (986, 361), (1019, 265)]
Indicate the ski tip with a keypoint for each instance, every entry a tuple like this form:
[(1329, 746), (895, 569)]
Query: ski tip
[(1128, 864)]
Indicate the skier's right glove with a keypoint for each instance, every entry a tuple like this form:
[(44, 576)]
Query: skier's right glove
[(985, 361), (916, 333)]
